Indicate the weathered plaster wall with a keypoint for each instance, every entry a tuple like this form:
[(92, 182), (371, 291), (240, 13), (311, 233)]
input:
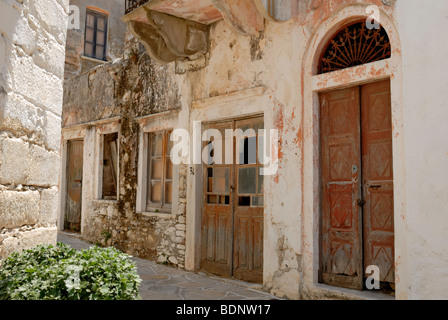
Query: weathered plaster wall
[(274, 60), (32, 51), (76, 62), (271, 60)]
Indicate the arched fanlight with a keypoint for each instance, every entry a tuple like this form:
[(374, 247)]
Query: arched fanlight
[(354, 45)]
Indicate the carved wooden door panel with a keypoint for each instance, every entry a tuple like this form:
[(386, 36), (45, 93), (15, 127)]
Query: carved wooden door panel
[(357, 226), (378, 179), (341, 225), (74, 185)]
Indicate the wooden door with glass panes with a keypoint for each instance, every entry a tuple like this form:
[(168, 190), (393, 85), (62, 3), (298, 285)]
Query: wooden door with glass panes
[(232, 220), (217, 217)]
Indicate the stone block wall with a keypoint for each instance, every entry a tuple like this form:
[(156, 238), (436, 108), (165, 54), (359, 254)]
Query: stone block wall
[(32, 55)]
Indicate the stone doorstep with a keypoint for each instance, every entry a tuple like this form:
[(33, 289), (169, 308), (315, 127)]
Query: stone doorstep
[(72, 235)]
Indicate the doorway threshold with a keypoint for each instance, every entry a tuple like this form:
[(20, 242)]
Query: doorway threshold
[(321, 291)]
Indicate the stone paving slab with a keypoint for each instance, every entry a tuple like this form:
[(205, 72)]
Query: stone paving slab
[(161, 282)]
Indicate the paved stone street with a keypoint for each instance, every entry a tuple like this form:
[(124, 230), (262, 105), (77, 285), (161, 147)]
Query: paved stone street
[(164, 283)]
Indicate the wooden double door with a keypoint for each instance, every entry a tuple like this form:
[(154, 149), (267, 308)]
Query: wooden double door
[(233, 202), (357, 218)]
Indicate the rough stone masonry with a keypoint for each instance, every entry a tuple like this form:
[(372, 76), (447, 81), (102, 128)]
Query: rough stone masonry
[(32, 56)]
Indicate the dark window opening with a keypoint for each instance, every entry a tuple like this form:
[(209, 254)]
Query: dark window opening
[(244, 202), (110, 164)]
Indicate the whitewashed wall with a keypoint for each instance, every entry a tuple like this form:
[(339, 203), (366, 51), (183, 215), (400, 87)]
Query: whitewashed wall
[(422, 27)]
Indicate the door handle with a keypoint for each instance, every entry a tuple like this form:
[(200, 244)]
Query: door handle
[(375, 187)]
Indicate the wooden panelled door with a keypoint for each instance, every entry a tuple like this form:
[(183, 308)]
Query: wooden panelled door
[(72, 221), (357, 217), (232, 219)]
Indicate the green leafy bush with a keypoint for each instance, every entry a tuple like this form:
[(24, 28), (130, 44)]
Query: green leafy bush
[(63, 273)]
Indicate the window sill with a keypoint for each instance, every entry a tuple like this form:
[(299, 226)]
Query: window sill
[(104, 201), (158, 215), (94, 59)]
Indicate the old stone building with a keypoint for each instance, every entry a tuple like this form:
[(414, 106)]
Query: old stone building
[(354, 91), (32, 53)]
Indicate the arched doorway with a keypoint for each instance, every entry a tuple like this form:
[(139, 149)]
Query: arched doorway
[(352, 76), (357, 215)]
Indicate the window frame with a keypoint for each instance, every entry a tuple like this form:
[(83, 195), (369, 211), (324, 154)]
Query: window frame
[(162, 206), (94, 44)]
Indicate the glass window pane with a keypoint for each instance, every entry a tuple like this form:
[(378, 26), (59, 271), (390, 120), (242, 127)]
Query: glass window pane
[(156, 144), (156, 169), (169, 168), (100, 38), (156, 192), (221, 181), (99, 52), (257, 201), (169, 144), (88, 50), (90, 21), (260, 184), (210, 180), (89, 34), (247, 180), (210, 153), (261, 143), (244, 201), (110, 160), (248, 150), (168, 192)]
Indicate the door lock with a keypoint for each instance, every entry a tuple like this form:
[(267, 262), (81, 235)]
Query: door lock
[(361, 203)]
